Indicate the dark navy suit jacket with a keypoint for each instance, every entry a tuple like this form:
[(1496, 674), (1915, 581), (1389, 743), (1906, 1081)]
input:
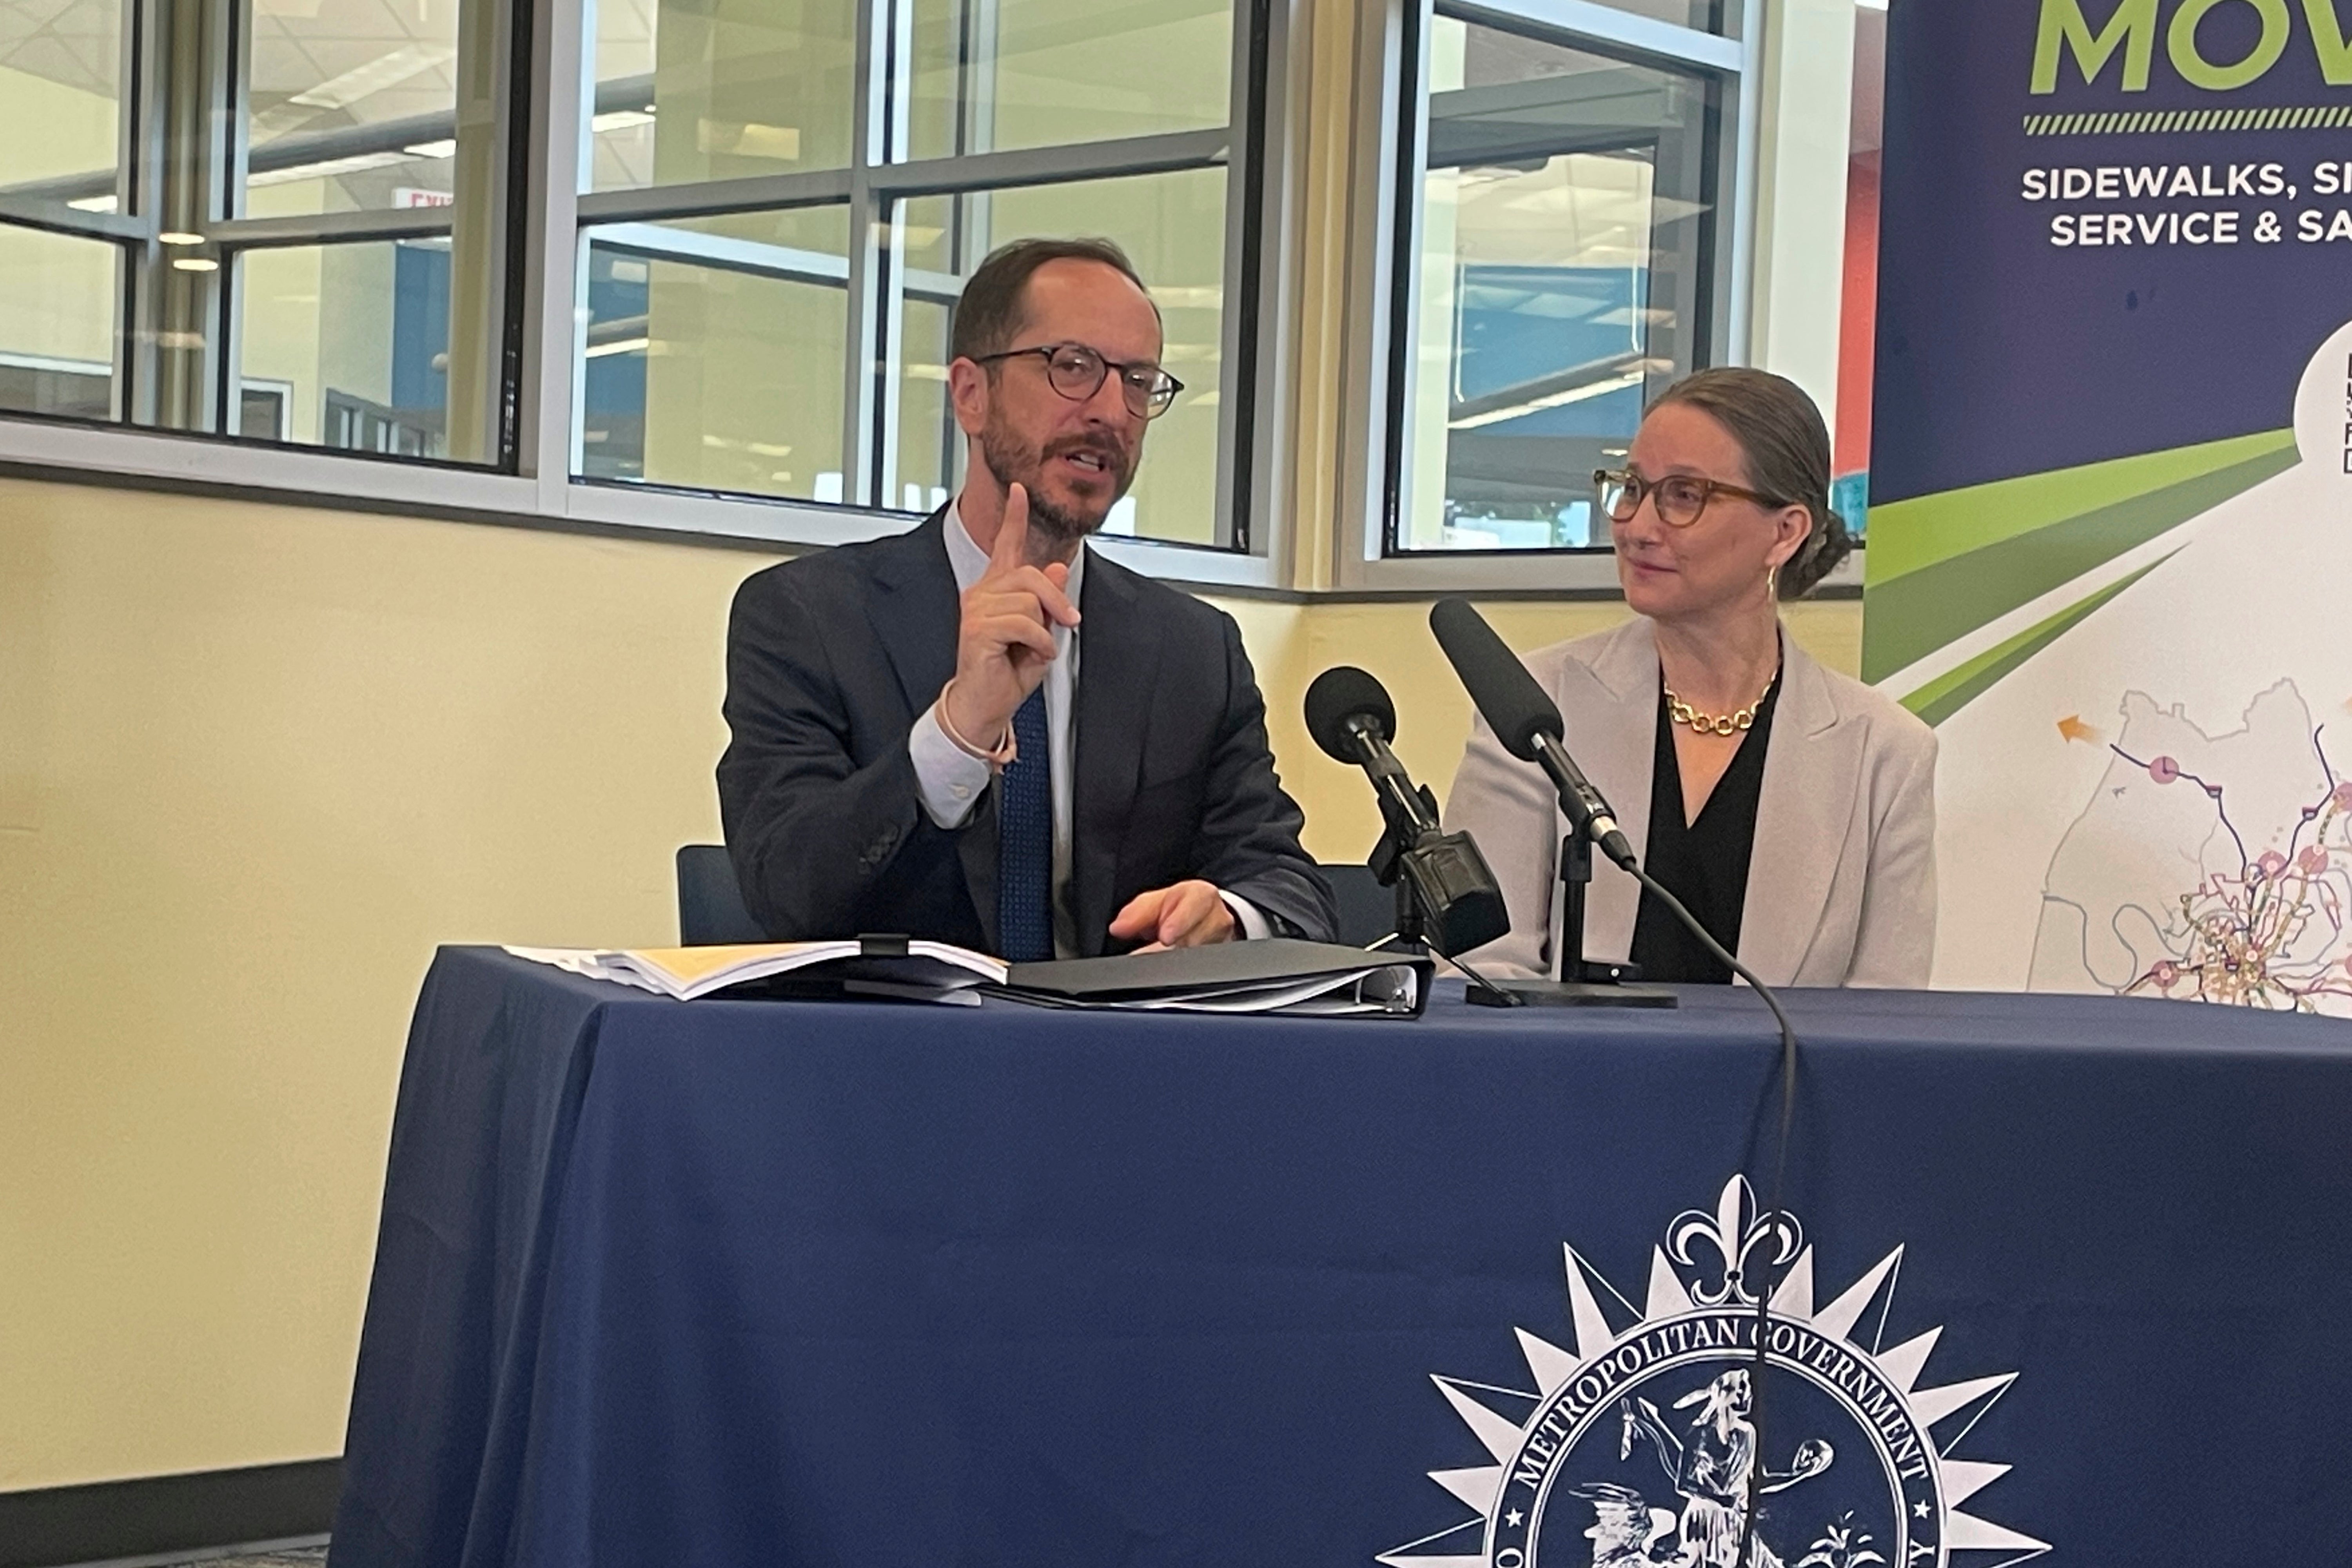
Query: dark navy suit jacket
[(832, 657)]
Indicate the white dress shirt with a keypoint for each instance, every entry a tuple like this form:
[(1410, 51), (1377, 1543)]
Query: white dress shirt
[(951, 780)]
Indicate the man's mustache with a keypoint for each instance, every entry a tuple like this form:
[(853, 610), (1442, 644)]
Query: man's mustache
[(1104, 446)]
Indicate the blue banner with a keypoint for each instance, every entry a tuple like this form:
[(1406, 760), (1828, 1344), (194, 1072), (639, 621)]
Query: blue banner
[(2111, 475)]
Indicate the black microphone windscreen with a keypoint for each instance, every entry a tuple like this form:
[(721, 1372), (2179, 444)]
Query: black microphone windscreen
[(1511, 699), (1340, 694)]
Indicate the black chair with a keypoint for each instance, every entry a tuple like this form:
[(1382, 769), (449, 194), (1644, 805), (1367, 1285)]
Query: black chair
[(709, 904), (1367, 911)]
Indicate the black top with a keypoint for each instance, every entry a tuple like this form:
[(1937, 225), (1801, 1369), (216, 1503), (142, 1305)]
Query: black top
[(1703, 863)]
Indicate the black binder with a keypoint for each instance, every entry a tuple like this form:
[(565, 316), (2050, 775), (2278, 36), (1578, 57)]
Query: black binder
[(1278, 975)]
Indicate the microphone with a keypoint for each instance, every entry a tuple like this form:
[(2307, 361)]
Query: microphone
[(1525, 719), (1351, 716), (1451, 900)]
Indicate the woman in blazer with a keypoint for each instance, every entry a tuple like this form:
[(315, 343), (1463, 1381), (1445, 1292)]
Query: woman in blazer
[(1791, 808)]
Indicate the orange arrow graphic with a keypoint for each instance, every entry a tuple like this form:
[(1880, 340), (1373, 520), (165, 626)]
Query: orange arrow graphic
[(2073, 729)]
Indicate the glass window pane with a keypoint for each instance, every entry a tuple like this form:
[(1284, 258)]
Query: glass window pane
[(60, 66), (930, 446), (720, 90), (1707, 16), (994, 75), (716, 353), (1172, 227), (57, 324), (353, 105), (1562, 278), (621, 115), (345, 346)]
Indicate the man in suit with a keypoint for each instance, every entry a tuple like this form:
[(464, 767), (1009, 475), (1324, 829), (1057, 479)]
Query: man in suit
[(981, 730)]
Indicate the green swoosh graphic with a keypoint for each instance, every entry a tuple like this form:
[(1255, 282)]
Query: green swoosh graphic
[(1956, 688), (1906, 535), (1911, 616)]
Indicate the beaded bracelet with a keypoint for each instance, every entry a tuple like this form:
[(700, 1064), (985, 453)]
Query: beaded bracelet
[(1006, 754)]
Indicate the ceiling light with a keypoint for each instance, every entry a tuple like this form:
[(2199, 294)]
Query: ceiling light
[(196, 264), (327, 169), (1590, 389), (443, 149), (374, 76), (177, 237)]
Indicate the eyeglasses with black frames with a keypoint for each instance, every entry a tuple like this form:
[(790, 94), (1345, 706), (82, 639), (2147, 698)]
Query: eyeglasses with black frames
[(1077, 372), (1678, 498)]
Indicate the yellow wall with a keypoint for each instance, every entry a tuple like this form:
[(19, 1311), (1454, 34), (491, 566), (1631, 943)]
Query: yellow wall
[(254, 763)]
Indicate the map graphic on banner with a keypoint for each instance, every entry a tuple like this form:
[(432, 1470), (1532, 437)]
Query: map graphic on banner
[(2111, 512), (2157, 889)]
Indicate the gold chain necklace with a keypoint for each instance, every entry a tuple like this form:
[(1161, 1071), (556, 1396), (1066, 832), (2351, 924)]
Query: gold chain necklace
[(1682, 712)]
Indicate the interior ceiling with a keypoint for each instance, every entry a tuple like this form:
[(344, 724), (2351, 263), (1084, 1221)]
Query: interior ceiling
[(322, 63), (74, 43), (316, 64)]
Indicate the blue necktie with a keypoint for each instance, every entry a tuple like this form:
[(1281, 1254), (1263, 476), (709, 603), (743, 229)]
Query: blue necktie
[(1024, 840)]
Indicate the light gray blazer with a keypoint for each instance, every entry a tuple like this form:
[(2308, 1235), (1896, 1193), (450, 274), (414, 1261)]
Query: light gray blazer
[(1841, 884)]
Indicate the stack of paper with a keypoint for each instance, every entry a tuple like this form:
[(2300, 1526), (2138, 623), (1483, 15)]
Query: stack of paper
[(1278, 975), (919, 971)]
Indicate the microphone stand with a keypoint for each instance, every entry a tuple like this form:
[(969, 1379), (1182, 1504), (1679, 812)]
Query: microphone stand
[(1575, 875), (1386, 867), (1583, 982), (1446, 898), (1433, 860)]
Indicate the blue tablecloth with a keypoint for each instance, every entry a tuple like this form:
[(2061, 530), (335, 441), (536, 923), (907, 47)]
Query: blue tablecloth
[(731, 1283)]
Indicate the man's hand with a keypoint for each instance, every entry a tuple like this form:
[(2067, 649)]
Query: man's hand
[(1189, 914), (1006, 639)]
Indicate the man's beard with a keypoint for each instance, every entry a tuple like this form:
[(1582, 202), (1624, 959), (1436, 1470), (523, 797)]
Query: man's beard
[(1014, 462)]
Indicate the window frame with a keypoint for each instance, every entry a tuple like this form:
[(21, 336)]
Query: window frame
[(1387, 231), (546, 80)]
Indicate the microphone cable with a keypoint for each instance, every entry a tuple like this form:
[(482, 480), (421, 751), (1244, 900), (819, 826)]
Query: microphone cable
[(1776, 1215), (1475, 978)]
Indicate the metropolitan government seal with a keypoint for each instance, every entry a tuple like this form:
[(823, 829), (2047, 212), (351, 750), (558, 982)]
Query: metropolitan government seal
[(1640, 1448)]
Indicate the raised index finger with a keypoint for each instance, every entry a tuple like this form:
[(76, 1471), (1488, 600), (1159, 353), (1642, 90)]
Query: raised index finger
[(1011, 550)]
